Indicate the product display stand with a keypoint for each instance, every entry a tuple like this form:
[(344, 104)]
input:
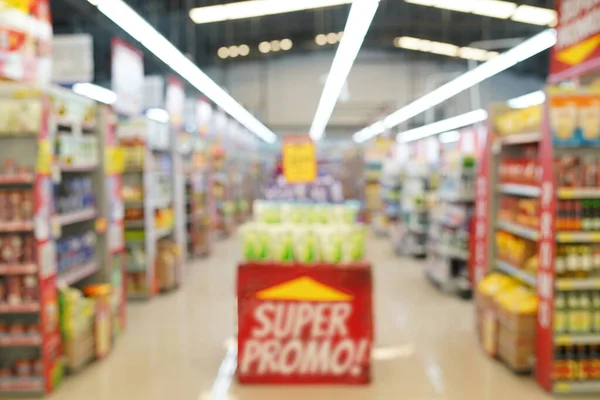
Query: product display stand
[(448, 255), (544, 162), (149, 191)]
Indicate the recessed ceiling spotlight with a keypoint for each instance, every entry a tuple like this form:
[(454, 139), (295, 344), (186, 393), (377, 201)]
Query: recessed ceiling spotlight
[(233, 51), (223, 52), (244, 50), (340, 35), (321, 39), (264, 47), (332, 38), (275, 45), (286, 44)]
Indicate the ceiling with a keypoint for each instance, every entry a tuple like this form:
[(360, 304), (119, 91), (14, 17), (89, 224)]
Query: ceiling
[(201, 42)]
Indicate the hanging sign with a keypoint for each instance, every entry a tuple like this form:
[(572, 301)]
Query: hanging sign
[(26, 41), (175, 102), (577, 50), (127, 78), (299, 159), (299, 324)]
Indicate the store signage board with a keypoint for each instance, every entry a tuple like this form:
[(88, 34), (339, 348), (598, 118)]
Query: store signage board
[(325, 328), (175, 102), (26, 41), (127, 78), (204, 113), (325, 189), (577, 51), (299, 159), (72, 58)]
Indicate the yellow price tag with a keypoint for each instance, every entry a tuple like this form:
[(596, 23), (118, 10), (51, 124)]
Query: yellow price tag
[(44, 158), (562, 387), (299, 159), (21, 5), (101, 225), (115, 160), (562, 340)]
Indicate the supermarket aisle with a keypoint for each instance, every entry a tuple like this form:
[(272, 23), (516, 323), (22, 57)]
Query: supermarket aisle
[(175, 344)]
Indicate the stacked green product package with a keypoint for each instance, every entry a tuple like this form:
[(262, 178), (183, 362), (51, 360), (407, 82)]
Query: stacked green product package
[(305, 233)]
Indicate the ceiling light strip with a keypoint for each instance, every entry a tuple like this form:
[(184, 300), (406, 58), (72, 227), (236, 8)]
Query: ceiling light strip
[(445, 49), (257, 8), (128, 20), (358, 23), (521, 52), (496, 9), (446, 125)]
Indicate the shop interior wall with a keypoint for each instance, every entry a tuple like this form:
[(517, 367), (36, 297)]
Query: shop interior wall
[(283, 90)]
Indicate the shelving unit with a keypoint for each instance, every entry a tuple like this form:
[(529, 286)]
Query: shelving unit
[(551, 211), (48, 196), (448, 235), (197, 197), (151, 179), (414, 210)]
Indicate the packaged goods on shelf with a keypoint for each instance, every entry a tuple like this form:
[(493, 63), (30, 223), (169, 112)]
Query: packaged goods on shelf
[(18, 290), (166, 264), (574, 119), (20, 116), (506, 320), (303, 242), (77, 150), (74, 251), (74, 194), (16, 206), (521, 168), (519, 121)]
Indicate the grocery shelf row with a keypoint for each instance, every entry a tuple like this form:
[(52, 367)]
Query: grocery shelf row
[(538, 191)]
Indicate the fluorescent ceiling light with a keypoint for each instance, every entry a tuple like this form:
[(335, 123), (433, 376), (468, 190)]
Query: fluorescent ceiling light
[(128, 20), (523, 51), (158, 115), (359, 20), (95, 92), (528, 100), (450, 137), (446, 125), (494, 8), (456, 5), (535, 15), (445, 49), (257, 8)]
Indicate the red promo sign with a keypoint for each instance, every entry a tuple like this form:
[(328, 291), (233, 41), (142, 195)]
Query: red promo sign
[(299, 324), (577, 50), (546, 253)]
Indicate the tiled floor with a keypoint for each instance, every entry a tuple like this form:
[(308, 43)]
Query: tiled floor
[(175, 345)]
